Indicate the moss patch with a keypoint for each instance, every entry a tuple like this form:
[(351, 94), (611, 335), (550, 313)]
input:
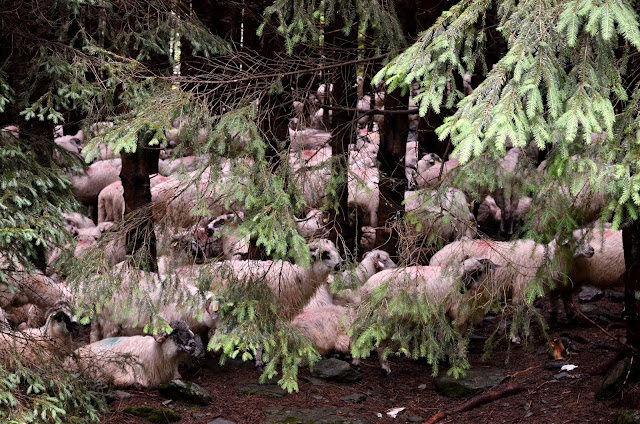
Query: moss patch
[(154, 415)]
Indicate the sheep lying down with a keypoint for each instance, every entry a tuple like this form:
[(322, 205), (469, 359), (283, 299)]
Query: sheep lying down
[(36, 346), (143, 361)]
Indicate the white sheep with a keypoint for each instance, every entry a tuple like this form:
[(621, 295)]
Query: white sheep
[(99, 175), (99, 128), (378, 100), (10, 130), (292, 284), (308, 138), (605, 269), (363, 182), (174, 199), (4, 321), (521, 261), (142, 361), (312, 173), (34, 287), (367, 145), (111, 199), (76, 219), (234, 244), (313, 225), (71, 143), (446, 217), (372, 262), (362, 108), (185, 303), (411, 163), (26, 316), (326, 326), (35, 346), (430, 170), (440, 286), (368, 237), (183, 165), (489, 211)]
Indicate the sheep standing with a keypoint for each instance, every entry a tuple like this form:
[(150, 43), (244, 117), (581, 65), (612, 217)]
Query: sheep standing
[(143, 361), (35, 288), (99, 175), (26, 316), (312, 170), (439, 285), (174, 199), (234, 244), (363, 180), (75, 219), (428, 175), (111, 199), (326, 326), (605, 269), (71, 143), (488, 211), (309, 138), (313, 225), (363, 183), (511, 171), (520, 261), (363, 108), (185, 164), (446, 218), (292, 284)]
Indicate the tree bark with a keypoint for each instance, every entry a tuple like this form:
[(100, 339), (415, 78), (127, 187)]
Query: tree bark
[(136, 182), (631, 246), (391, 155)]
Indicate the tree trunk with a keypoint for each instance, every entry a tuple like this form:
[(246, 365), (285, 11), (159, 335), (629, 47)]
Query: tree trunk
[(391, 155), (136, 182), (631, 246)]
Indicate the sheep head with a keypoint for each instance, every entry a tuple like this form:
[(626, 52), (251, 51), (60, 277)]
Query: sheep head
[(381, 259), (475, 271), (60, 321), (181, 336), (324, 255)]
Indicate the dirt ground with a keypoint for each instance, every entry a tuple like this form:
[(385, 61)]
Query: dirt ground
[(545, 398)]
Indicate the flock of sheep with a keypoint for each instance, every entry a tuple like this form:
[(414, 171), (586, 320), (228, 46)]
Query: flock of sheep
[(37, 320)]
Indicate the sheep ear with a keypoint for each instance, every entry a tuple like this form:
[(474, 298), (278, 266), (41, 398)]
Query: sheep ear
[(314, 254), (161, 338)]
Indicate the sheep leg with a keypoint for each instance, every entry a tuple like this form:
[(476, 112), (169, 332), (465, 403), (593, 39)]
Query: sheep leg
[(373, 218), (553, 306), (384, 364), (259, 364), (355, 364), (96, 331)]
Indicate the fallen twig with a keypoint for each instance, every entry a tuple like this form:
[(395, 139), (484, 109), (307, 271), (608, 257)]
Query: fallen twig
[(515, 374), (592, 322), (510, 389)]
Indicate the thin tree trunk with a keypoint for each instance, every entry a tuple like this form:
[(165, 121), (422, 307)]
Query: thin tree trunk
[(136, 182), (631, 246), (391, 155)]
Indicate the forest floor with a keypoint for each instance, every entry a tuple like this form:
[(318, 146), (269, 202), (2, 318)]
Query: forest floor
[(546, 397)]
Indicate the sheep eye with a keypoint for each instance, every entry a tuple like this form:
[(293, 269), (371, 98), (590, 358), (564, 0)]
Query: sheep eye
[(325, 256)]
